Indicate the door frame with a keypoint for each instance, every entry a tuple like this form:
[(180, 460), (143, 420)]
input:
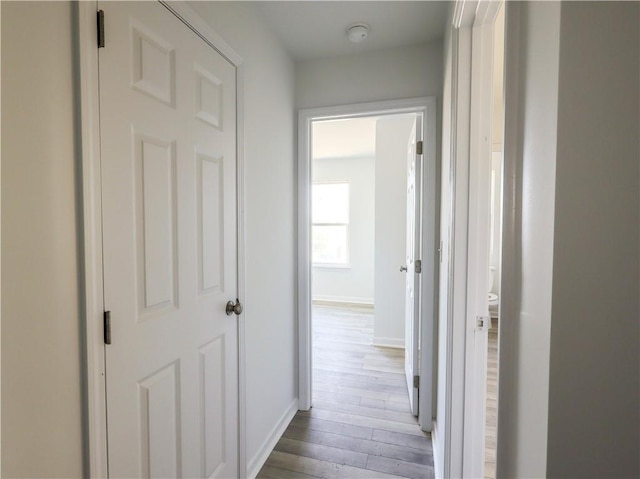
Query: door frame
[(426, 106), (480, 151), (456, 451), (88, 127)]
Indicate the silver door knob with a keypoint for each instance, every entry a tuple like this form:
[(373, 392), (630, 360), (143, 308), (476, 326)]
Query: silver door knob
[(234, 307), (403, 268)]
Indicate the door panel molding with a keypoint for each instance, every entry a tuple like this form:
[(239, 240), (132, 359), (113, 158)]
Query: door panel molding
[(88, 126)]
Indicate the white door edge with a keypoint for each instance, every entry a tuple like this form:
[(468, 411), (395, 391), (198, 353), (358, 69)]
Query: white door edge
[(430, 208), (89, 120), (424, 105)]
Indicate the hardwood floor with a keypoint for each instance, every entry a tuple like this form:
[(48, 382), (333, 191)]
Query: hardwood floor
[(492, 399), (360, 425)]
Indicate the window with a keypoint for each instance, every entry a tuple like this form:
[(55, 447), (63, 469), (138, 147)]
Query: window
[(330, 217)]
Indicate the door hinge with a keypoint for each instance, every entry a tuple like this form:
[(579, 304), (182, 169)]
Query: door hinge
[(107, 327), (418, 266), (419, 147), (483, 323), (100, 28), (416, 381)]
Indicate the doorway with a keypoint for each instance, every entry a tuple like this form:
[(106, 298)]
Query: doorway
[(359, 226), (495, 247), (422, 334)]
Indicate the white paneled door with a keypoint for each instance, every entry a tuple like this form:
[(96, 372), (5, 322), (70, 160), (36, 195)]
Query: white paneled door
[(413, 254), (168, 155)]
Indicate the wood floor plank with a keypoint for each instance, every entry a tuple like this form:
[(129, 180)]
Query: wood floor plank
[(337, 397), (271, 472), (422, 441), (324, 469), (404, 417), (322, 452), (408, 454), (350, 430), (328, 386), (356, 420), (400, 468), (338, 367), (382, 404)]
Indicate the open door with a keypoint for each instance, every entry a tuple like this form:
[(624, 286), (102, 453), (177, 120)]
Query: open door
[(413, 265)]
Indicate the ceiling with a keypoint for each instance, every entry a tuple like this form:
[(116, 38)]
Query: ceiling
[(344, 138), (317, 29)]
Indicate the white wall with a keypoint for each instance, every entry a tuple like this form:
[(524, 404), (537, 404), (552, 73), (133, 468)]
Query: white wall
[(569, 393), (384, 75), (524, 388), (271, 340), (353, 284), (392, 136), (41, 355), (594, 410)]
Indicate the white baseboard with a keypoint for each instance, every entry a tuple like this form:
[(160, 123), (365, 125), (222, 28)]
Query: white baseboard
[(389, 342), (256, 463), (341, 299)]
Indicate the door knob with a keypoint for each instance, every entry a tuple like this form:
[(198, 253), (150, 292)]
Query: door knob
[(403, 268), (234, 307)]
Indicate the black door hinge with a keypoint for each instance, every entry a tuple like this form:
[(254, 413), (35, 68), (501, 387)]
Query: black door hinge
[(100, 29), (416, 381), (107, 327), (419, 147)]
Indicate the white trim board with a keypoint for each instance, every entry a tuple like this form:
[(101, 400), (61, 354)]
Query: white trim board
[(425, 106), (269, 444), (87, 52), (342, 300), (437, 473), (396, 343)]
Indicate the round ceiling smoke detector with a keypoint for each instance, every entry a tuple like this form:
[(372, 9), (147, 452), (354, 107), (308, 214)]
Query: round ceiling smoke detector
[(358, 32)]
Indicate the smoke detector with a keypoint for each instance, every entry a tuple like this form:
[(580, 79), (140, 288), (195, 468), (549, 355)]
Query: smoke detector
[(357, 32)]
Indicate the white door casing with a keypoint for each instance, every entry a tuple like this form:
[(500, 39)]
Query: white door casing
[(168, 155), (426, 108), (413, 253), (464, 273), (479, 221)]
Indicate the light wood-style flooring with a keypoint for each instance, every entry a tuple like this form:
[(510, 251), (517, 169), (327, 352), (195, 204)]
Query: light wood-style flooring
[(492, 400), (360, 425)]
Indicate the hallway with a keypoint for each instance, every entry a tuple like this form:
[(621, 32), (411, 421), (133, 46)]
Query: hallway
[(360, 425)]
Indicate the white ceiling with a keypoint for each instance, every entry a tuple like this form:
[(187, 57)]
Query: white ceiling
[(317, 29), (344, 138)]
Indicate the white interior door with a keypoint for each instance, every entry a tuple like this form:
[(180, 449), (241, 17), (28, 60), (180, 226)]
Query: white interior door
[(412, 309), (168, 153)]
